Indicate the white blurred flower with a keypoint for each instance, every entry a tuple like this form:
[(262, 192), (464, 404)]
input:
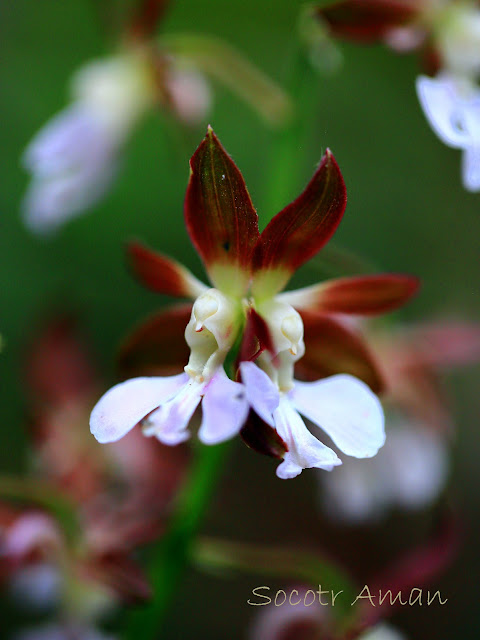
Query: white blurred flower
[(74, 157), (189, 93), (452, 109), (409, 472), (457, 32)]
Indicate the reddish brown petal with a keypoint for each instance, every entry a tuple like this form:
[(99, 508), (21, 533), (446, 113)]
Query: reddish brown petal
[(367, 20), (146, 17), (157, 347), (121, 574), (262, 438), (446, 345), (219, 215), (256, 337), (300, 230), (162, 274), (331, 348), (362, 295)]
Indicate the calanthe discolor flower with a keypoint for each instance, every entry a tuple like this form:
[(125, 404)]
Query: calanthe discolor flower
[(74, 158), (447, 32), (244, 306), (452, 109)]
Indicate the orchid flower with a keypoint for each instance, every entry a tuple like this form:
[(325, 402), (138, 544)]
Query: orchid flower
[(248, 270), (78, 560), (75, 157), (448, 33), (453, 112)]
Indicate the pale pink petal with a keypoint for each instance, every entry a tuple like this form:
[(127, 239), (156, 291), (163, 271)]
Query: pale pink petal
[(304, 450), (29, 532), (346, 409), (415, 465), (121, 408), (170, 421), (225, 409), (262, 393)]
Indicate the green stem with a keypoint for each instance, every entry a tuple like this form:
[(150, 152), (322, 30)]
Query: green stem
[(173, 553)]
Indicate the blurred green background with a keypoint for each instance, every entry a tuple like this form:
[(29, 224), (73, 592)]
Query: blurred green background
[(407, 211)]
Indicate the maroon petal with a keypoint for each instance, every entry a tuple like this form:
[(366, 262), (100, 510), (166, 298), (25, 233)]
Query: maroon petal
[(158, 346), (363, 295), (262, 438), (256, 338), (300, 230), (122, 575), (367, 20), (331, 348), (146, 17), (162, 274), (220, 217)]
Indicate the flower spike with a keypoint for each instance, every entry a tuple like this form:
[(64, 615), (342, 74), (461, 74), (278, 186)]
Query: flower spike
[(220, 217), (300, 230)]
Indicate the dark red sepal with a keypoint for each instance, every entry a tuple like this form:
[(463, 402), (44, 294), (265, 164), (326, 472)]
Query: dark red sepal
[(332, 348), (219, 215), (367, 295), (157, 347), (256, 338), (146, 17), (160, 273), (262, 438), (300, 230), (367, 20)]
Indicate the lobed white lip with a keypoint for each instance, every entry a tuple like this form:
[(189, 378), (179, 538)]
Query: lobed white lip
[(342, 406)]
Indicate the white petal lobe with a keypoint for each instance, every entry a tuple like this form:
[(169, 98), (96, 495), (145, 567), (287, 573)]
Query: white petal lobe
[(262, 393), (225, 409), (305, 451), (346, 410), (125, 404)]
